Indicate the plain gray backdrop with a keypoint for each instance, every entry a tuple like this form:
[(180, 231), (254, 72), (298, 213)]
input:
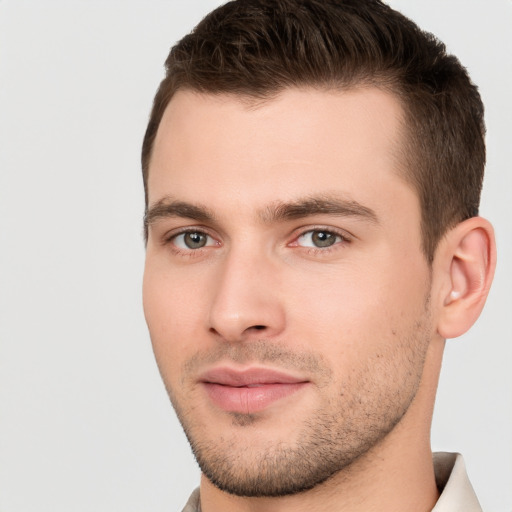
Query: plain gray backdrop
[(85, 423)]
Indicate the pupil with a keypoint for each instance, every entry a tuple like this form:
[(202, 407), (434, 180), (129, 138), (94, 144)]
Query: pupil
[(195, 240), (323, 239)]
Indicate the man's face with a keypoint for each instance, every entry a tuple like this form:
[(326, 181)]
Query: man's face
[(285, 289)]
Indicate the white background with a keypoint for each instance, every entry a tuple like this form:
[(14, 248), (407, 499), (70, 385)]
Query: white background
[(85, 424)]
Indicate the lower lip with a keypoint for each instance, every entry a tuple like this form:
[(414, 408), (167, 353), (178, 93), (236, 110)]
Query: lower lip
[(249, 400)]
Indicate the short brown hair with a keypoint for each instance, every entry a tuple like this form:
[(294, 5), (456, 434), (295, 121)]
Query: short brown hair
[(256, 48)]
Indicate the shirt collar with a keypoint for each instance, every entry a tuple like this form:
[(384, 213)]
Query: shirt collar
[(457, 494)]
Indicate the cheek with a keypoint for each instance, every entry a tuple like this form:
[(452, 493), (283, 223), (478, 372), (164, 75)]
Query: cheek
[(356, 311), (172, 314)]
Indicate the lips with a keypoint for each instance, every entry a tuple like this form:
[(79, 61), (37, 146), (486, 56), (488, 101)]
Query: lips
[(249, 391)]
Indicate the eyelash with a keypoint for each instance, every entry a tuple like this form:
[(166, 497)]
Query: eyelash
[(344, 239)]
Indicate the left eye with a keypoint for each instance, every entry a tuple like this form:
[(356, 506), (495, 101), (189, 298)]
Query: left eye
[(318, 238), (193, 240)]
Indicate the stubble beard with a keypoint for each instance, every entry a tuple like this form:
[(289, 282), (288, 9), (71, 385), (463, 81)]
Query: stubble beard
[(345, 427)]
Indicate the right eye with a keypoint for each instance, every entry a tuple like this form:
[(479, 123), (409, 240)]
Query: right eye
[(191, 240)]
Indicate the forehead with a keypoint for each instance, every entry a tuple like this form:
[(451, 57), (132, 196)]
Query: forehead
[(303, 141)]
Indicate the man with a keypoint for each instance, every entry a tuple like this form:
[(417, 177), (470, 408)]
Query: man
[(312, 172)]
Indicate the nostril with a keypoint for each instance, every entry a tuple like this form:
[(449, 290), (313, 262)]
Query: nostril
[(258, 327)]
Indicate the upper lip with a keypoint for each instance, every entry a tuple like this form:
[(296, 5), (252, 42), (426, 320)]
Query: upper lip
[(248, 377)]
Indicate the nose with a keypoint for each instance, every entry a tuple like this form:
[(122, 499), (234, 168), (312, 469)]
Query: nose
[(247, 301)]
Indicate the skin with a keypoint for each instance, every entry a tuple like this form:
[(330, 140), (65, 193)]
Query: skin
[(360, 321)]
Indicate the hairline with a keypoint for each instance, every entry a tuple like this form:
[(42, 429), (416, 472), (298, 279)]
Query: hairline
[(256, 99)]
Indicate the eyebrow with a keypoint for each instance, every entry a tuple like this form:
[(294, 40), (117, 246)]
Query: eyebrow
[(275, 212), (166, 208), (318, 205)]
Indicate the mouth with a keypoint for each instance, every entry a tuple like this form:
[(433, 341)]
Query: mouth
[(249, 391)]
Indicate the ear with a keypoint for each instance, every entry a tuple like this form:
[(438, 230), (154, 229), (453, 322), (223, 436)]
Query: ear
[(465, 264)]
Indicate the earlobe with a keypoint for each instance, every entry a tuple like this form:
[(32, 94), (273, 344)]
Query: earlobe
[(469, 253)]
